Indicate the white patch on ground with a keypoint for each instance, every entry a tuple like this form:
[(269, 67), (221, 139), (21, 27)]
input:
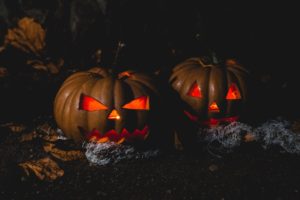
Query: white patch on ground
[(110, 153), (276, 132), (271, 133)]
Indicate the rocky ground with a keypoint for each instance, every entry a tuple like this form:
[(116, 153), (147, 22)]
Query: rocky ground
[(37, 163)]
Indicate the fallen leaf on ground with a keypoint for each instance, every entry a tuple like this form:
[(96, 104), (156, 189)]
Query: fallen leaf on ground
[(49, 133), (44, 169), (28, 136), (14, 127), (296, 126), (62, 154), (2, 48), (177, 143), (3, 72)]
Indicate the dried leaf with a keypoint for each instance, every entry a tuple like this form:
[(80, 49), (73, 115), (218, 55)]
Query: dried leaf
[(177, 142), (52, 67), (63, 155), (3, 72), (296, 126), (44, 169), (29, 36), (49, 134), (37, 64), (14, 127), (28, 137), (2, 48)]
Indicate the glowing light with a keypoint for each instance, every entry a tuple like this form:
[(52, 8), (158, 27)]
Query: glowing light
[(124, 74), (114, 115), (102, 140), (214, 107), (233, 92), (90, 104), (215, 122), (114, 136), (140, 103), (190, 116), (121, 141), (195, 91)]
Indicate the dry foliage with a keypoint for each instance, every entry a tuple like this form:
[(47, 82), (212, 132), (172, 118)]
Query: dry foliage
[(44, 169), (14, 127), (29, 36), (177, 143), (296, 126), (49, 134), (52, 67), (3, 72), (28, 136), (63, 155)]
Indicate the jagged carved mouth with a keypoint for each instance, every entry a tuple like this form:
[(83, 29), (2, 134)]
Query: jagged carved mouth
[(114, 136), (215, 122), (212, 121)]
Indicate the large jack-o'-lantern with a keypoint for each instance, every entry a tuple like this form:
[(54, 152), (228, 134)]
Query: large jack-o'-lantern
[(100, 106), (212, 93)]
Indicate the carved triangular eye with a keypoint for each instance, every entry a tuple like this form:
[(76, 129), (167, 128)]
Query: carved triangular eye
[(90, 104), (233, 92), (195, 91), (140, 103)]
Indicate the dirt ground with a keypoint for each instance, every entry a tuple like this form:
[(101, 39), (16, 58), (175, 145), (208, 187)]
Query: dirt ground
[(248, 172)]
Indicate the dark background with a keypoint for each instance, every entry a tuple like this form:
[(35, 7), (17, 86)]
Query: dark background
[(158, 34)]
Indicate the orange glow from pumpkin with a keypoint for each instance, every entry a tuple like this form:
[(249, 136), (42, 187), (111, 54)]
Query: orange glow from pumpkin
[(114, 115), (195, 91), (214, 107), (114, 136), (214, 122), (190, 116), (233, 92), (140, 103), (121, 141), (124, 74), (103, 140), (90, 104)]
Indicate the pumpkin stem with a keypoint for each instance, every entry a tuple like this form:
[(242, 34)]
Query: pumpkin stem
[(119, 48), (214, 58)]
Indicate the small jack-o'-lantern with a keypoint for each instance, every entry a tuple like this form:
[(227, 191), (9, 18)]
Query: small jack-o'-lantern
[(212, 93), (100, 106)]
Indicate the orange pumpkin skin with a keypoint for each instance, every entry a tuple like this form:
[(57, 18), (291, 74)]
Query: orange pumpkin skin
[(211, 93), (95, 105)]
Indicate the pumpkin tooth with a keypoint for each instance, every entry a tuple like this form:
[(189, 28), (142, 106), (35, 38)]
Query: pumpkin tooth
[(121, 141), (102, 140), (93, 139)]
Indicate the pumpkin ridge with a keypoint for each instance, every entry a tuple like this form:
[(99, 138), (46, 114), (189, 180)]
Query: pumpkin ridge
[(241, 83), (58, 107), (63, 113), (67, 83), (147, 83), (71, 119)]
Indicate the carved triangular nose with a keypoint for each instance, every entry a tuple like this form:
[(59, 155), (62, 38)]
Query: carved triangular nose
[(114, 115), (214, 107)]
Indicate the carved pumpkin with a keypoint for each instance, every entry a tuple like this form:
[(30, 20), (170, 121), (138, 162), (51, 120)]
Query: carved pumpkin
[(100, 106), (212, 93)]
